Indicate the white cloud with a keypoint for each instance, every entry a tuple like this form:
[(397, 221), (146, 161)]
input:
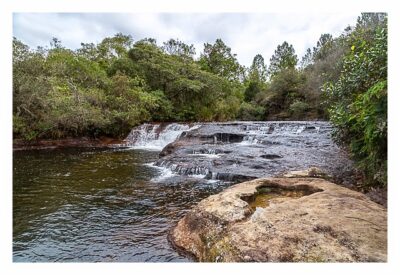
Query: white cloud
[(246, 33)]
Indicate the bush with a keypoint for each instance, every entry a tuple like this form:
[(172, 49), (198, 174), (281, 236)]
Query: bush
[(358, 101), (298, 109), (250, 111)]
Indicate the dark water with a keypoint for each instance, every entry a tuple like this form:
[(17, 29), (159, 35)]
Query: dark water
[(89, 205)]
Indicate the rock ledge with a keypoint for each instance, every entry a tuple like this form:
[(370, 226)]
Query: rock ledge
[(284, 220)]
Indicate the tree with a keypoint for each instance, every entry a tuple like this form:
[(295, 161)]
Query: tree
[(283, 58), (321, 65), (307, 59), (55, 43), (20, 51), (258, 70), (112, 48), (89, 51), (30, 90), (194, 93), (282, 91), (257, 77), (323, 47), (179, 48), (218, 59)]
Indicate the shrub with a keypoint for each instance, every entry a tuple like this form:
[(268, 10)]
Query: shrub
[(298, 109), (250, 111)]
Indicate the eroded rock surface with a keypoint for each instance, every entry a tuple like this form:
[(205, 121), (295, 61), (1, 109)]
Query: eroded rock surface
[(285, 220), (239, 151)]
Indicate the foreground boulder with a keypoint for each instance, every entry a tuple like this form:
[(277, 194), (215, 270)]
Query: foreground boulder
[(284, 220)]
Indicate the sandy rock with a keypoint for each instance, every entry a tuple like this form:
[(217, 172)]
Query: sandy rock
[(306, 220), (312, 172)]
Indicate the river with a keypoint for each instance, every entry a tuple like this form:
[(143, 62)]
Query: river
[(88, 205), (118, 204)]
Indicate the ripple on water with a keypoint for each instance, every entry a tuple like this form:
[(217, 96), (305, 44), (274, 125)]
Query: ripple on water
[(73, 205)]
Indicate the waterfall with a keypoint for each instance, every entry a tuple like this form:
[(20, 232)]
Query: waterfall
[(269, 132), (248, 140), (155, 136)]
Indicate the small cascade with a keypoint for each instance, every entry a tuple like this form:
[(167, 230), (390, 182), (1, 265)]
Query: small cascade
[(206, 151), (183, 169), (300, 129), (155, 136), (270, 132), (248, 140)]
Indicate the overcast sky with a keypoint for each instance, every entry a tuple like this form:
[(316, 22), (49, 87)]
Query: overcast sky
[(246, 33)]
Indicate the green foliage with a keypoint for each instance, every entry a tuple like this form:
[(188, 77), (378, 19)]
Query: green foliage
[(358, 100), (282, 91), (218, 59), (299, 108), (193, 93), (251, 91), (108, 88), (256, 79), (250, 112), (258, 70), (324, 46), (227, 109), (284, 58), (179, 48)]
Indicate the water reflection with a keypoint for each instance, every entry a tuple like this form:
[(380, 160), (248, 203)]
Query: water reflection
[(97, 205)]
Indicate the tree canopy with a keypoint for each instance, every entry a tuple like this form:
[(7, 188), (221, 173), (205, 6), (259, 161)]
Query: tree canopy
[(283, 58)]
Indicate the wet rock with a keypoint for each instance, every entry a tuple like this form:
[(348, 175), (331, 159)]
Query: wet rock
[(256, 149), (171, 147), (229, 177), (270, 156), (302, 220)]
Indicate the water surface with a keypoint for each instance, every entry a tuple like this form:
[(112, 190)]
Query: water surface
[(74, 205)]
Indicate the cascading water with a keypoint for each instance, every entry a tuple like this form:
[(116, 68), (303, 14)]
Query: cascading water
[(270, 131), (155, 136), (247, 140), (237, 151)]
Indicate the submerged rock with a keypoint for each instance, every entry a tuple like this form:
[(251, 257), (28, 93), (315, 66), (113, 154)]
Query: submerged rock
[(284, 220)]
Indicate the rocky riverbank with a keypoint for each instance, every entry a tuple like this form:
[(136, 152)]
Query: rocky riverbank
[(103, 142), (296, 219)]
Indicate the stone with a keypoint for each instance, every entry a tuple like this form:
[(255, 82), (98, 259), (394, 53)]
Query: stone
[(313, 172), (242, 151), (293, 220)]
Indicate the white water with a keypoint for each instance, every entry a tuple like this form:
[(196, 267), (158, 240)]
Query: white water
[(149, 137), (167, 172), (248, 140), (211, 156), (255, 134), (164, 172)]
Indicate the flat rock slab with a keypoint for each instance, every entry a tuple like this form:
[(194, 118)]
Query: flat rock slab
[(310, 220)]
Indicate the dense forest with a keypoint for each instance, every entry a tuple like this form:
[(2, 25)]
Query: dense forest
[(105, 89)]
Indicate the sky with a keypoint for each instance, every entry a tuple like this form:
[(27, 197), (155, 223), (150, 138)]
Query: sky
[(247, 34)]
